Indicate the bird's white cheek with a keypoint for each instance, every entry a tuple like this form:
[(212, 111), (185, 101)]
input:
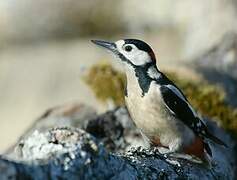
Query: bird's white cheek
[(140, 58)]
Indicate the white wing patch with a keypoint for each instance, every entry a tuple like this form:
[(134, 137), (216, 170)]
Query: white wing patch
[(176, 91), (180, 95), (172, 112), (153, 73)]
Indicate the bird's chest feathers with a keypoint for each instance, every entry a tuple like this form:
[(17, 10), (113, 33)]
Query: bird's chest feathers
[(136, 98), (146, 111), (143, 97)]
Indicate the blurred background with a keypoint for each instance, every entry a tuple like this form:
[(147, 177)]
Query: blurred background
[(45, 47)]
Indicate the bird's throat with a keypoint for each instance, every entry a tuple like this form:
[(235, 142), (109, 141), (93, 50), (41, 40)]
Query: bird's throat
[(139, 77)]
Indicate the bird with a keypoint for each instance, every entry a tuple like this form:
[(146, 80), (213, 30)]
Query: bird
[(156, 105)]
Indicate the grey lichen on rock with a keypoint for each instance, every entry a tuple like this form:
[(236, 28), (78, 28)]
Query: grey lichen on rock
[(70, 153)]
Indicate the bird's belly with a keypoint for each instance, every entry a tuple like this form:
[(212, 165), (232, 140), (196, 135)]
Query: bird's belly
[(154, 120)]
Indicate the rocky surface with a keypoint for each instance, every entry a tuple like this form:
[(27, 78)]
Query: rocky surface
[(222, 57), (114, 128), (219, 65), (72, 153), (73, 115), (70, 115)]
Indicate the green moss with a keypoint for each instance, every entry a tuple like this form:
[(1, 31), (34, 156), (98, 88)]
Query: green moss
[(208, 100), (106, 82)]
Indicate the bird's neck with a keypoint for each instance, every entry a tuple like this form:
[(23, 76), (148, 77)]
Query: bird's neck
[(139, 78)]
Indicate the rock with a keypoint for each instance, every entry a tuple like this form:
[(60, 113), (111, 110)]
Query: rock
[(71, 115), (219, 66), (115, 129), (223, 56), (71, 153), (108, 129)]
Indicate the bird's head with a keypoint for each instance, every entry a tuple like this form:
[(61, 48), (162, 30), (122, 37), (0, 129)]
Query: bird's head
[(132, 52)]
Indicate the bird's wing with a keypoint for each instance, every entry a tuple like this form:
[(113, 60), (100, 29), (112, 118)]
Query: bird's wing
[(179, 106)]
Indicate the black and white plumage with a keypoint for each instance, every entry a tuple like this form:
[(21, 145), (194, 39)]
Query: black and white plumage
[(156, 105)]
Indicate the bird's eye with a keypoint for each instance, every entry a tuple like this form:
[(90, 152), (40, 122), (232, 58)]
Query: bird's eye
[(128, 48)]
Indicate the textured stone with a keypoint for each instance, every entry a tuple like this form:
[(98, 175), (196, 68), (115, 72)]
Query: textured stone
[(219, 65), (71, 153)]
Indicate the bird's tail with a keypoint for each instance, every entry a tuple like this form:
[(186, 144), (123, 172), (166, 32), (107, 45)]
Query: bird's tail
[(215, 139)]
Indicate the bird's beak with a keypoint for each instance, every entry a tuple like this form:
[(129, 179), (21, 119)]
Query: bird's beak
[(108, 45)]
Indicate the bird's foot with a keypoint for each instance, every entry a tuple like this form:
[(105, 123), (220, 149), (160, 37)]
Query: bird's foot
[(165, 154)]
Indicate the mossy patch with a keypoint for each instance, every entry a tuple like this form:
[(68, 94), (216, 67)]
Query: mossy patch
[(107, 83), (208, 100)]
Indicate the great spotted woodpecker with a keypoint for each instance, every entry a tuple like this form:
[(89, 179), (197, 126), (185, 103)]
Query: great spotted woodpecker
[(156, 105)]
